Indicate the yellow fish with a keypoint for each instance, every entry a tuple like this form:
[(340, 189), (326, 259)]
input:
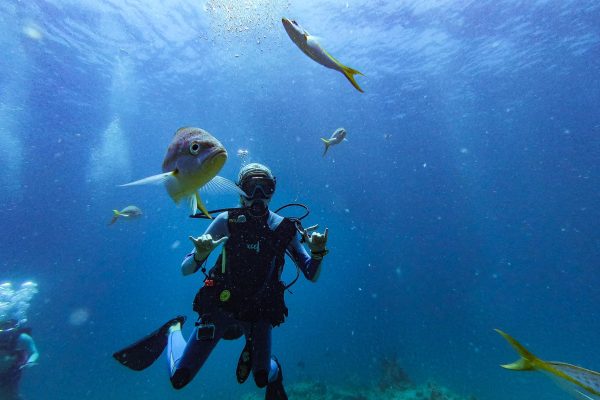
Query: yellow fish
[(583, 383), (129, 212), (311, 47), (193, 160)]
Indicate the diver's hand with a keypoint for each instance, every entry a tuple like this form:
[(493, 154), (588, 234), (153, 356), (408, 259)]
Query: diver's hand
[(205, 244), (317, 243), (28, 365)]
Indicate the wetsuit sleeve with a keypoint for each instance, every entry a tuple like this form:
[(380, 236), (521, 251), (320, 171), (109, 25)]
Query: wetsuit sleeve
[(217, 229), (310, 267), (26, 343)]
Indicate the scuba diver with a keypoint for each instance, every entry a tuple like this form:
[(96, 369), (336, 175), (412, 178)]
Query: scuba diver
[(242, 293), (17, 347)]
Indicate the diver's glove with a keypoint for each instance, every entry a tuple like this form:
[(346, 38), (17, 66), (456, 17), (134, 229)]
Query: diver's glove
[(204, 245), (317, 244)]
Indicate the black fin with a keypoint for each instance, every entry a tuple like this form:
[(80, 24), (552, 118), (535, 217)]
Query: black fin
[(145, 351), (275, 389), (244, 365)]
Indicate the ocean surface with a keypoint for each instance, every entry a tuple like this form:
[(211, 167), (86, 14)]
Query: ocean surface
[(466, 198)]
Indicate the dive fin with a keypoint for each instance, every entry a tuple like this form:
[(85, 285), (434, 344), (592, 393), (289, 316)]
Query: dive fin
[(145, 351), (116, 216), (198, 204), (327, 144), (526, 362), (152, 180), (244, 365)]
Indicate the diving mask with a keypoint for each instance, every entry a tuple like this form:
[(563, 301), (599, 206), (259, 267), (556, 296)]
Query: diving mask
[(9, 325), (258, 187)]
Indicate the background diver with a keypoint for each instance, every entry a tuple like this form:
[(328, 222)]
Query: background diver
[(17, 347), (242, 293)]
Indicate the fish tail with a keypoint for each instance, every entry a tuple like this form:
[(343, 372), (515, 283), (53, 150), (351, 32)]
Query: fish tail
[(327, 144), (527, 362), (116, 216), (349, 74), (198, 204)]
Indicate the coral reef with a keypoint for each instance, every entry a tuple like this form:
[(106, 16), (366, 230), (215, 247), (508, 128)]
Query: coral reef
[(320, 391), (392, 375), (392, 383)]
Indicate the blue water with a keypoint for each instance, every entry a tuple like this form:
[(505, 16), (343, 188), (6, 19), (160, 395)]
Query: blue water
[(465, 199)]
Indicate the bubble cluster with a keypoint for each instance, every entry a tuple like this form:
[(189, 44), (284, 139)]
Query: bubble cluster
[(248, 21), (15, 303), (243, 155)]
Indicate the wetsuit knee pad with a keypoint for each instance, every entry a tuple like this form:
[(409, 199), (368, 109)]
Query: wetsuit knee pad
[(180, 378), (261, 378)]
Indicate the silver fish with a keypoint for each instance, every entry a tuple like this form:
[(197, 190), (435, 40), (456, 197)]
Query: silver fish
[(336, 138), (129, 212), (311, 47), (580, 382)]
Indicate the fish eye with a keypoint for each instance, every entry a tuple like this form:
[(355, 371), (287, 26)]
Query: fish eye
[(195, 148), (294, 22)]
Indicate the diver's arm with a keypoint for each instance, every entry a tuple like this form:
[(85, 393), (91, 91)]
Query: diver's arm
[(310, 267), (217, 230), (26, 343)]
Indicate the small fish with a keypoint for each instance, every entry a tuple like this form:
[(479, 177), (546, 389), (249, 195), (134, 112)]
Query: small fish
[(583, 383), (311, 47), (129, 212), (336, 138), (193, 160)]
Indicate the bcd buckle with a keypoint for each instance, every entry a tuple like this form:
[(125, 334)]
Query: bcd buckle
[(205, 332)]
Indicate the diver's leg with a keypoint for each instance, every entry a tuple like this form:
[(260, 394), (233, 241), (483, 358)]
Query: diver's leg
[(266, 369), (186, 358), (259, 333)]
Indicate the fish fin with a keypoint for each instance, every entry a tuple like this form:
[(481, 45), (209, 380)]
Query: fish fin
[(218, 184), (582, 396), (314, 40), (198, 204), (349, 74), (345, 140), (116, 215), (193, 203), (526, 362), (327, 144), (152, 180)]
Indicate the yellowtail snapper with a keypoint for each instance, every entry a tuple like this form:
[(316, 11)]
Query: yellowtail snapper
[(129, 212), (581, 382), (336, 138), (311, 47)]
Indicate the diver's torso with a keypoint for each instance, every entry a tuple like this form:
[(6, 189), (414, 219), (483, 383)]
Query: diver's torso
[(254, 252), (10, 355)]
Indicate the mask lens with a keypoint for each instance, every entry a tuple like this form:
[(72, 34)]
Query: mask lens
[(8, 325), (259, 186)]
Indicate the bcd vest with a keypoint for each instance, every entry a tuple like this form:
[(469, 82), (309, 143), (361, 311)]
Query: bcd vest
[(245, 279), (9, 342)]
